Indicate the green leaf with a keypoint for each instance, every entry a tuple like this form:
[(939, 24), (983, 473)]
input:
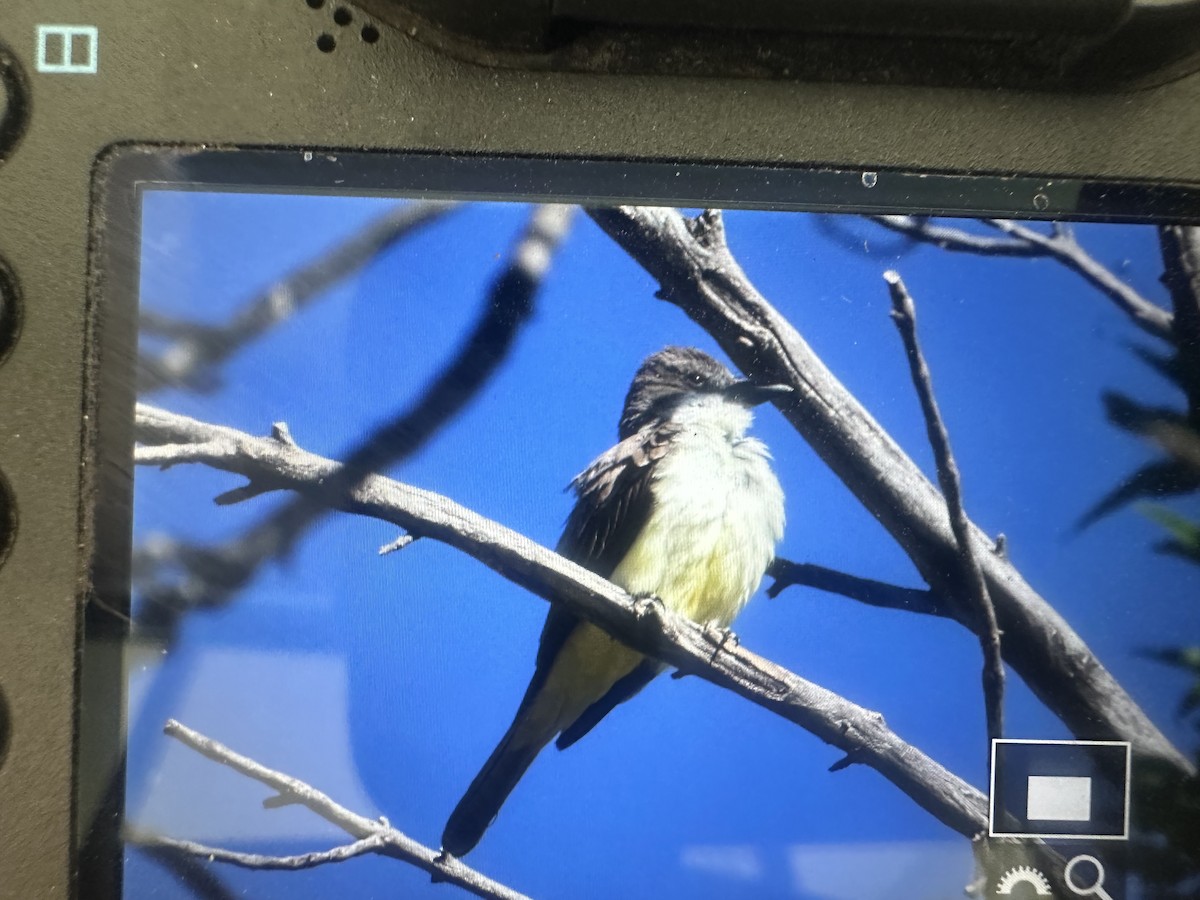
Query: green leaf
[(1185, 534)]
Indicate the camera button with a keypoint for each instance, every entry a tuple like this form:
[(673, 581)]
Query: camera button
[(10, 309), (5, 728), (8, 519), (14, 102)]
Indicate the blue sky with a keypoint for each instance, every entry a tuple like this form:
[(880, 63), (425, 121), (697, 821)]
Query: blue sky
[(387, 680)]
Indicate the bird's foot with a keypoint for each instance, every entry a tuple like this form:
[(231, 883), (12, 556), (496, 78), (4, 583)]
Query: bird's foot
[(647, 605), (723, 635)]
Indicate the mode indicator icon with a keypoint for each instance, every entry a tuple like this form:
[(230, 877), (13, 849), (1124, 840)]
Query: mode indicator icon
[(1059, 789), (68, 49)]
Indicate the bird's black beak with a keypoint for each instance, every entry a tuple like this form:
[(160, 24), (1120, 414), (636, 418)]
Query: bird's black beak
[(747, 393)]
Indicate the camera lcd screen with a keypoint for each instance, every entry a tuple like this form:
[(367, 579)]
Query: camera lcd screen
[(362, 414)]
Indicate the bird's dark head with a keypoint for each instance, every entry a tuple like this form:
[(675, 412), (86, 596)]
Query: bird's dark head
[(671, 375)]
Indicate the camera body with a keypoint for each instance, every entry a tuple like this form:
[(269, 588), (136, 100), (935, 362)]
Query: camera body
[(329, 77)]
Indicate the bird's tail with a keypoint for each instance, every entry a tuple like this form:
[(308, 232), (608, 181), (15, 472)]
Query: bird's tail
[(495, 781)]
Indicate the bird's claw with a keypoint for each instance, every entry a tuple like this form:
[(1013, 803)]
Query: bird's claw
[(647, 604), (723, 634)]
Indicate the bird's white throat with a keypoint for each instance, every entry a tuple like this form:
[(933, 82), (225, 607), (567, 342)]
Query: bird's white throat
[(713, 413), (716, 518)]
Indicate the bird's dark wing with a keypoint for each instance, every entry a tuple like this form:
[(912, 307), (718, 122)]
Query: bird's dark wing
[(613, 504), (613, 501)]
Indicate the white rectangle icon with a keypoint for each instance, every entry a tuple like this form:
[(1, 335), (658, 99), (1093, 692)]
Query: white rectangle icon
[(1059, 798)]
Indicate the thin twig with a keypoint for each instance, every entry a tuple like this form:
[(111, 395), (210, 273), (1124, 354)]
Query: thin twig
[(197, 348), (904, 314), (1024, 241), (646, 627), (398, 544), (372, 844), (371, 835), (947, 237), (696, 270), (1062, 246)]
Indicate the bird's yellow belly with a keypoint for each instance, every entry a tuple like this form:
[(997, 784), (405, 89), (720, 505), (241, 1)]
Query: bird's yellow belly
[(705, 547), (700, 575), (702, 552)]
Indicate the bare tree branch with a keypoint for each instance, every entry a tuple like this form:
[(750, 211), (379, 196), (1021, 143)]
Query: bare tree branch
[(948, 237), (212, 574), (645, 625), (904, 314), (196, 348), (1024, 241), (1062, 246), (697, 272), (371, 835), (864, 590), (372, 844)]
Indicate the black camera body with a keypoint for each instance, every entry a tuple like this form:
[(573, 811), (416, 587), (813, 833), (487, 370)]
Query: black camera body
[(83, 84)]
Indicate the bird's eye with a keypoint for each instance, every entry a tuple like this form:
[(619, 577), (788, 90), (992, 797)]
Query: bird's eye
[(697, 378)]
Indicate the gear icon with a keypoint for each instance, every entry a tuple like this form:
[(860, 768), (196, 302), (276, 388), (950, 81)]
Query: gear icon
[(1023, 875)]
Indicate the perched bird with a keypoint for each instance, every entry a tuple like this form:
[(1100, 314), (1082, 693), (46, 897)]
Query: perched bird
[(684, 508)]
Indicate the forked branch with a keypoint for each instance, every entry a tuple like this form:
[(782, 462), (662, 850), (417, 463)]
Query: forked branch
[(1025, 241), (370, 835)]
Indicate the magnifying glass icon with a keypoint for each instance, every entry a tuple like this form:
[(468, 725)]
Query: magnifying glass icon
[(1096, 888)]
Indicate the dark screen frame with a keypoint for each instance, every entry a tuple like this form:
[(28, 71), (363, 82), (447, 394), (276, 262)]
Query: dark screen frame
[(124, 171)]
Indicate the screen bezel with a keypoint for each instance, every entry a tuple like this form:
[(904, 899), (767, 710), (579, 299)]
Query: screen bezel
[(124, 171)]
